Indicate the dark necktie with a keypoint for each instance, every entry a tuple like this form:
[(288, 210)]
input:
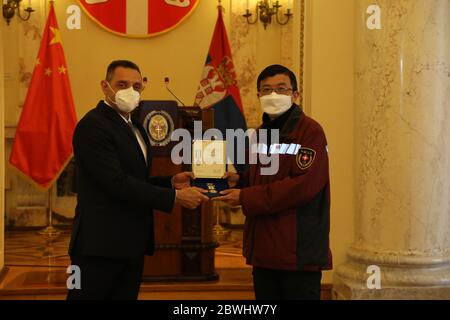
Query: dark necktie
[(130, 124)]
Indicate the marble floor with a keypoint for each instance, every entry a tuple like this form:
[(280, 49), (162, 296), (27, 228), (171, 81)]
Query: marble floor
[(36, 269)]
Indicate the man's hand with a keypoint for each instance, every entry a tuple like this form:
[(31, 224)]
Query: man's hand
[(191, 197), (230, 196), (232, 178), (182, 180)]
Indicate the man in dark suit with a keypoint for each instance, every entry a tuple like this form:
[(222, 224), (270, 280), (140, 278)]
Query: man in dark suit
[(113, 224)]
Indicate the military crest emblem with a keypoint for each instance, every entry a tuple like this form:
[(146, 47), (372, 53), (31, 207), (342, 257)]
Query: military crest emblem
[(159, 125), (138, 18), (305, 158)]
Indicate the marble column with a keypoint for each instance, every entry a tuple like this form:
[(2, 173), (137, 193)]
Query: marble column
[(402, 153)]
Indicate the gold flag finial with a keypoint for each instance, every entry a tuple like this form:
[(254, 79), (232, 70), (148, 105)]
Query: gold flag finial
[(219, 6)]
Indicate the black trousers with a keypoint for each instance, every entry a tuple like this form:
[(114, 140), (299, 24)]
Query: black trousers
[(272, 284), (107, 278)]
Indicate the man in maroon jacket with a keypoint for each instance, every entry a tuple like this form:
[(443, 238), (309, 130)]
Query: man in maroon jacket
[(286, 235)]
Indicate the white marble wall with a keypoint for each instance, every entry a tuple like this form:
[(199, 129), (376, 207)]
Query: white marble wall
[(22, 39), (403, 116), (402, 102), (25, 205)]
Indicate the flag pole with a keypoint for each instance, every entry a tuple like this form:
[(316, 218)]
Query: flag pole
[(218, 229), (50, 230)]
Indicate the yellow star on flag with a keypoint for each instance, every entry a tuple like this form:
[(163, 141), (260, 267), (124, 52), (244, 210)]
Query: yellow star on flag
[(38, 62), (62, 70), (48, 72), (57, 36)]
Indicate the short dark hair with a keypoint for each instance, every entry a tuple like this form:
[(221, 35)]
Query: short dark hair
[(275, 69), (120, 63)]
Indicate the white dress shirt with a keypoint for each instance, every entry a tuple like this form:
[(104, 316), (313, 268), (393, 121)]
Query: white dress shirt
[(136, 133)]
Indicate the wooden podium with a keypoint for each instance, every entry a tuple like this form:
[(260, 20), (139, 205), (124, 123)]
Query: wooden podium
[(184, 244)]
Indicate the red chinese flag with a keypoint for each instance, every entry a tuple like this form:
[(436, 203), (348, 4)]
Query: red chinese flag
[(43, 142)]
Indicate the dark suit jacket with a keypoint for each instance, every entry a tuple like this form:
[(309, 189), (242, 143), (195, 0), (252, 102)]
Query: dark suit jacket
[(116, 195)]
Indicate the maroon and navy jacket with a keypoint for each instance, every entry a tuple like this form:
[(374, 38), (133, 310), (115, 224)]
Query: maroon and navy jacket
[(288, 214)]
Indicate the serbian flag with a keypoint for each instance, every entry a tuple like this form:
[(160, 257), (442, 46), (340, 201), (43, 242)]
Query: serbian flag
[(43, 142), (218, 85)]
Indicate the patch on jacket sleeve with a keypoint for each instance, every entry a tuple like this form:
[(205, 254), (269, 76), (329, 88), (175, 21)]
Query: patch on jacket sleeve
[(305, 158)]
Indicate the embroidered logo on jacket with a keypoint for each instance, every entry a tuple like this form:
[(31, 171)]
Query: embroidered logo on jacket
[(305, 158)]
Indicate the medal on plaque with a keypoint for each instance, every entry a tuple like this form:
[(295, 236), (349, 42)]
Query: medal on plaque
[(209, 165)]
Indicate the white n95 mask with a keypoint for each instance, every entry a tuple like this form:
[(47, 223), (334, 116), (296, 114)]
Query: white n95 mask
[(275, 104), (126, 99)]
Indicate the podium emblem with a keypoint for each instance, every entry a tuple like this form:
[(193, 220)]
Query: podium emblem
[(159, 125)]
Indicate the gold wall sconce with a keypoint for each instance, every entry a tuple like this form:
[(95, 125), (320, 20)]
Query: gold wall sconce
[(10, 7), (265, 10)]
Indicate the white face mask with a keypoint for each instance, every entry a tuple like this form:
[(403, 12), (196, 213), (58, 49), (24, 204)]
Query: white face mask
[(126, 99), (275, 104)]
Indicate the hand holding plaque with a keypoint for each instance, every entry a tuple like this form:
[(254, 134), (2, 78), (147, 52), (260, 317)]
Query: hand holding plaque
[(209, 165)]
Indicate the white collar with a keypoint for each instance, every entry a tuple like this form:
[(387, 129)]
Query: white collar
[(124, 119)]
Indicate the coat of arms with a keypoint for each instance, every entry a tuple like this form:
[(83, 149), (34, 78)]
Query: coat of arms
[(159, 125), (138, 18)]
